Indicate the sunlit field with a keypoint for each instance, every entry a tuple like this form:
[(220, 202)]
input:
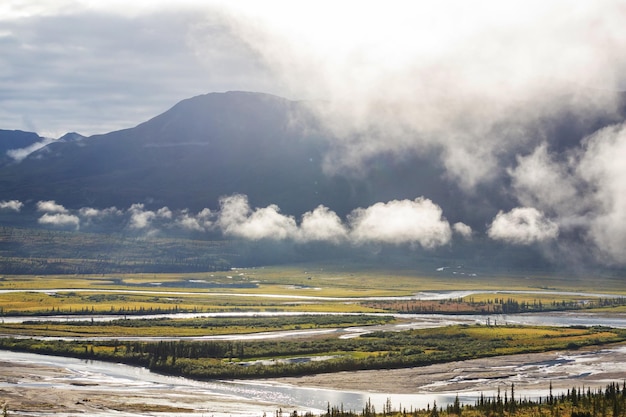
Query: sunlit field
[(300, 287)]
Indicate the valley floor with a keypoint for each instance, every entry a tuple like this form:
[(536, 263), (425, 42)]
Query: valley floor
[(22, 386), (592, 367)]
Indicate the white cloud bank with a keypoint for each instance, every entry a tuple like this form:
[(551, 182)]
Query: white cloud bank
[(50, 206), (463, 230), (14, 205), (141, 219), (201, 222), (322, 224), (523, 226), (468, 82), (603, 168), (56, 215), (60, 219), (396, 222), (21, 153), (238, 219), (401, 222), (583, 191)]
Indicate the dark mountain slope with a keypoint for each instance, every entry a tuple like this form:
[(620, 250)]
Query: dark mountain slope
[(264, 146), (199, 150), (15, 139)]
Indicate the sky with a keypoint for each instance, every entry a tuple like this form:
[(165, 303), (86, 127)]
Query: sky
[(95, 66), (470, 82)]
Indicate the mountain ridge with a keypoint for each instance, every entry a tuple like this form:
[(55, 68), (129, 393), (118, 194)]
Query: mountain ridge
[(268, 148)]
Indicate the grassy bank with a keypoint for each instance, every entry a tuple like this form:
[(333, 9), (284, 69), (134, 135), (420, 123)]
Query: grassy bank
[(383, 350)]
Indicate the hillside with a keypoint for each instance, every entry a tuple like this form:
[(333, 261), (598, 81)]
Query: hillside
[(273, 151)]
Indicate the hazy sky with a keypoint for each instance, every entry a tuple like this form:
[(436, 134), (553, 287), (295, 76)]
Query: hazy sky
[(95, 66)]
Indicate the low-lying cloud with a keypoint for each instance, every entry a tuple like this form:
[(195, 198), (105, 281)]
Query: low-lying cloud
[(522, 226), (21, 153), (322, 225), (396, 222), (142, 219), (14, 205), (462, 229), (592, 206), (584, 191), (237, 219), (401, 222), (60, 220), (50, 206), (94, 213), (418, 222), (201, 222)]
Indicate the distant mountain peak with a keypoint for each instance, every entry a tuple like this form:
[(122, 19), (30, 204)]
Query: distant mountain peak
[(71, 137)]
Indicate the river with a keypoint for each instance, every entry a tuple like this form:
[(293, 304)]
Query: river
[(104, 388), (409, 321)]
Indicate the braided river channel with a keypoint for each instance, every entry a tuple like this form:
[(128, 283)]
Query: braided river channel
[(95, 387)]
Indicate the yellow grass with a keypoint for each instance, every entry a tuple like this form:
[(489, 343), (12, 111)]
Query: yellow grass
[(294, 283)]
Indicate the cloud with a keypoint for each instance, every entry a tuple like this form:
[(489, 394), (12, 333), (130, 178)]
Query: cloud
[(14, 205), (475, 87), (94, 213), (583, 190), (539, 180), (21, 153), (433, 73), (51, 206), (60, 219), (91, 216), (65, 70), (140, 218), (471, 85), (462, 229), (396, 222), (164, 213), (322, 224), (400, 222), (603, 168), (239, 220), (201, 222), (522, 226)]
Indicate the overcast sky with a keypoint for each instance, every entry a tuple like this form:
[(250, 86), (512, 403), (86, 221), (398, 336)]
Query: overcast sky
[(97, 66)]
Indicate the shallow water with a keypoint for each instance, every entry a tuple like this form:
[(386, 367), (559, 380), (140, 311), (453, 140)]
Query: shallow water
[(529, 375), (412, 321), (235, 398)]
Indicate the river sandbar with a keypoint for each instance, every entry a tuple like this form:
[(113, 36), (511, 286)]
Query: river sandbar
[(589, 367)]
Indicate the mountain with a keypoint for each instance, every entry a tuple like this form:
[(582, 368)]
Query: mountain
[(11, 140), (16, 139), (266, 147)]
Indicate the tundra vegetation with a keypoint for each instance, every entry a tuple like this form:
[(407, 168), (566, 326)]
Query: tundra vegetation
[(272, 358), (168, 276)]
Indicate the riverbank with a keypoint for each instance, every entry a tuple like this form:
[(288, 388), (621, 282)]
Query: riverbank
[(534, 372), (41, 388)]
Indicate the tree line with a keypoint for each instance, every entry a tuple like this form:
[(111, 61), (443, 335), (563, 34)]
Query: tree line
[(577, 402), (379, 350), (495, 305)]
